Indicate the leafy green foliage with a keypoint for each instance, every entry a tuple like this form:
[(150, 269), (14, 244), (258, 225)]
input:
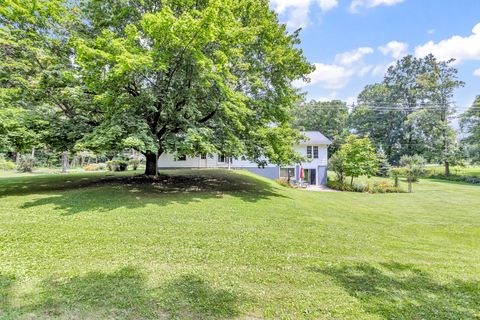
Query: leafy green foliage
[(413, 168), (383, 165), (191, 78), (336, 164), (359, 157), (328, 117), (26, 164), (6, 164), (410, 111), (396, 173), (117, 165), (186, 77), (470, 123), (369, 187)]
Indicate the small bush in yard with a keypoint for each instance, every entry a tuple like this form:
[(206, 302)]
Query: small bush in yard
[(284, 183), (117, 165), (134, 163), (6, 164), (25, 164), (90, 167), (371, 187)]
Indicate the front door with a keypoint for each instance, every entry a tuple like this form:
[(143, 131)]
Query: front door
[(313, 176)]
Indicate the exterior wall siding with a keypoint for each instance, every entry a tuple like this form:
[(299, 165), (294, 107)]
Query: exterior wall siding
[(271, 171)]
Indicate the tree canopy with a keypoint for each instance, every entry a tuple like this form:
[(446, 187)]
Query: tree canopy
[(410, 111), (328, 117), (470, 123), (185, 77)]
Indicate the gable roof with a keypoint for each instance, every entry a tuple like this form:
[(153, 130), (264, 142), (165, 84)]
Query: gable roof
[(315, 137)]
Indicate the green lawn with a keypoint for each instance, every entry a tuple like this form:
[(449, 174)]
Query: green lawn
[(216, 244), (472, 171)]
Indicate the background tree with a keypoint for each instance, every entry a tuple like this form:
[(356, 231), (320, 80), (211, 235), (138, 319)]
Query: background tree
[(335, 164), (410, 112), (328, 117), (359, 157), (470, 123), (383, 165), (191, 77), (439, 82), (38, 77), (413, 168)]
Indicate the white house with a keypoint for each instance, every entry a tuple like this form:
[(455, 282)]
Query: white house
[(314, 149)]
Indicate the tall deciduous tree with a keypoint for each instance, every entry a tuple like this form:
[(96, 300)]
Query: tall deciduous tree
[(328, 117), (439, 81), (410, 112), (191, 77), (470, 123)]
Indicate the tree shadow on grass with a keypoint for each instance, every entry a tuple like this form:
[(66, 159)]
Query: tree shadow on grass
[(108, 193), (401, 291), (125, 295)]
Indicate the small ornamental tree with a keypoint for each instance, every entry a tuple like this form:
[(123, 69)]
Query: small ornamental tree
[(335, 164), (359, 157), (413, 168), (395, 173), (383, 165)]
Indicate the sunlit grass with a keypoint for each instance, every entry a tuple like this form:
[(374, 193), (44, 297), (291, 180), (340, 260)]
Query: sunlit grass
[(217, 244)]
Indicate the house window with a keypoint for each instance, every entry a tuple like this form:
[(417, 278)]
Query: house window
[(182, 158), (309, 152), (221, 158), (203, 156), (286, 173), (315, 152)]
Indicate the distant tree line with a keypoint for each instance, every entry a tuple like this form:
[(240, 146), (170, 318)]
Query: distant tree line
[(409, 113)]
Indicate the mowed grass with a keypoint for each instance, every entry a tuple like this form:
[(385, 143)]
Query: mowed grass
[(219, 245), (471, 171)]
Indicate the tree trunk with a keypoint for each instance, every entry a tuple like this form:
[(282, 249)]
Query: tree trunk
[(447, 168), (64, 161), (409, 186), (351, 182), (151, 168)]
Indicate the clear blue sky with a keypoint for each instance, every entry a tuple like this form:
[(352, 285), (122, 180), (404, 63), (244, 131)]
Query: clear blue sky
[(352, 42)]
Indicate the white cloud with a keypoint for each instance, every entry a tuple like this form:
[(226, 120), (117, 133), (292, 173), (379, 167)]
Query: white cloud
[(458, 47), (477, 72), (335, 76), (299, 10), (350, 57), (356, 4), (431, 31), (395, 49), (328, 76)]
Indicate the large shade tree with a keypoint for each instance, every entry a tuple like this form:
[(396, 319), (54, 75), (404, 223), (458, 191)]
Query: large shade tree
[(190, 77)]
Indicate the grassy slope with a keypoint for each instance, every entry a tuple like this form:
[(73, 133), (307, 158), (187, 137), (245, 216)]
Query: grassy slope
[(244, 247)]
